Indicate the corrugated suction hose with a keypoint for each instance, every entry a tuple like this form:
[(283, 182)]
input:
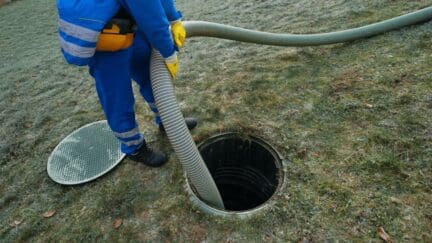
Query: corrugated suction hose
[(172, 118), (202, 28), (179, 135)]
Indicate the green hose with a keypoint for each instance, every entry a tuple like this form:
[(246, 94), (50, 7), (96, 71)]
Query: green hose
[(170, 112), (202, 28)]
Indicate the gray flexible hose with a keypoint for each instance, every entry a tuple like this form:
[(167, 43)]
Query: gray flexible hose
[(169, 110), (179, 135), (202, 28)]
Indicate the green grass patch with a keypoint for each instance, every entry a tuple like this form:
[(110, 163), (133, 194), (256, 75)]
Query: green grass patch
[(353, 122)]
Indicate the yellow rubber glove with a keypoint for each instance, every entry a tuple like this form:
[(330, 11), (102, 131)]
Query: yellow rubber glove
[(178, 33), (172, 65)]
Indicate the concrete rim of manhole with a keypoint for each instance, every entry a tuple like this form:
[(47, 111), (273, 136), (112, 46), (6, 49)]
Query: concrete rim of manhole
[(262, 168)]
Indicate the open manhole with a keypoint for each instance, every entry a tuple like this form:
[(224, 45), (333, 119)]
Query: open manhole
[(246, 169)]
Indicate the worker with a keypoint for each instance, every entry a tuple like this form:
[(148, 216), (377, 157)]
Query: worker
[(121, 54)]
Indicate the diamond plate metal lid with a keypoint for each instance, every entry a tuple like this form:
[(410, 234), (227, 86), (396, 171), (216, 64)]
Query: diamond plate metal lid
[(84, 155)]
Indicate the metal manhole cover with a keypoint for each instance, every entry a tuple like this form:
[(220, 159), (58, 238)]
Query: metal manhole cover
[(86, 154)]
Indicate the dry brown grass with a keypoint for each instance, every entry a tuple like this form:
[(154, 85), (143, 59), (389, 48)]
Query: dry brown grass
[(3, 2), (353, 122)]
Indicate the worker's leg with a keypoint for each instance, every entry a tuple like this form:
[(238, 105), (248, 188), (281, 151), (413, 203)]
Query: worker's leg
[(140, 71), (111, 70)]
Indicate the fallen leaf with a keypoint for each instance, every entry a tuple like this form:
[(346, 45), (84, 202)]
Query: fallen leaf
[(117, 223), (268, 239), (303, 240), (49, 214), (383, 235), (395, 200), (15, 223), (198, 233)]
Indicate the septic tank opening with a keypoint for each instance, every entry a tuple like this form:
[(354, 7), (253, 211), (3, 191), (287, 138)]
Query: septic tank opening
[(246, 170)]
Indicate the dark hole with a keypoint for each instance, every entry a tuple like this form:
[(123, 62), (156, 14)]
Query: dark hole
[(246, 170)]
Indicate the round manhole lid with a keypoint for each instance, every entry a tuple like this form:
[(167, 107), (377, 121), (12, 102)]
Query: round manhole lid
[(86, 154)]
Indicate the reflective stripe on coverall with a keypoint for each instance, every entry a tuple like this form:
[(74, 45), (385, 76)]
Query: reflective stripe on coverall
[(113, 71)]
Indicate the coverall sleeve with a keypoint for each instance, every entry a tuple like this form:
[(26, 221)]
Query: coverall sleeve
[(170, 10), (151, 18)]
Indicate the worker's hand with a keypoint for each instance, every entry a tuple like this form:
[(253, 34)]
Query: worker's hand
[(172, 65), (178, 33)]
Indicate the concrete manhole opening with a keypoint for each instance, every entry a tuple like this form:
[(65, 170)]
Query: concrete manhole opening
[(246, 169)]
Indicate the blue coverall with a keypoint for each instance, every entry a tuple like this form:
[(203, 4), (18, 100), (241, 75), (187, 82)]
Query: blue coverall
[(113, 71)]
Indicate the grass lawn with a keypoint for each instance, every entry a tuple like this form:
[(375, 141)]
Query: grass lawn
[(353, 122)]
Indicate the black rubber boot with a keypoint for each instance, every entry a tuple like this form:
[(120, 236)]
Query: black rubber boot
[(148, 157), (191, 123)]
